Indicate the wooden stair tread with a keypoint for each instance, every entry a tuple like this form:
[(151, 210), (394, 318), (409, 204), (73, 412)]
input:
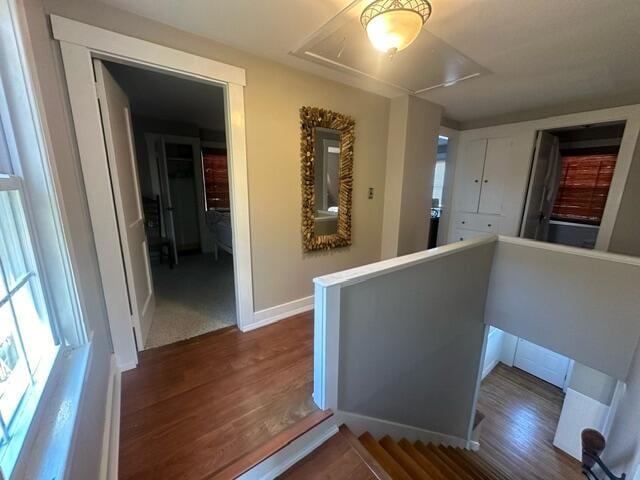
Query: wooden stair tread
[(432, 470), (383, 457), (414, 470), (460, 470), (364, 454), (275, 444), (447, 471), (476, 459), (337, 458), (465, 463)]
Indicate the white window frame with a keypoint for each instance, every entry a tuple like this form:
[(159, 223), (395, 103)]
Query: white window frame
[(14, 430), (31, 169)]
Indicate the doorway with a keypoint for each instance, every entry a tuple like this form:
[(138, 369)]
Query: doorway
[(437, 197), (190, 291), (80, 45), (569, 185)]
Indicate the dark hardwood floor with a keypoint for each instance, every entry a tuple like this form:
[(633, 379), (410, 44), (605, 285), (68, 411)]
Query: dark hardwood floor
[(215, 405), (521, 416), (342, 457)]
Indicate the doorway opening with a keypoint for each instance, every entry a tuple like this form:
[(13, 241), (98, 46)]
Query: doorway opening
[(437, 198), (532, 396), (184, 284), (569, 184)]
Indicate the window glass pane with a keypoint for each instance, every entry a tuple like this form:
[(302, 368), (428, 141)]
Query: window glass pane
[(32, 322), (14, 375), (3, 287), (11, 251)]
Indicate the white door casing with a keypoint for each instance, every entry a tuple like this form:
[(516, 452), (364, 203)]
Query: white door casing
[(541, 362), (79, 43), (116, 122), (542, 187)]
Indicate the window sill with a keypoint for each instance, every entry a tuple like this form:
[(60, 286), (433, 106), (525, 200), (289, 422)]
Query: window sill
[(49, 438)]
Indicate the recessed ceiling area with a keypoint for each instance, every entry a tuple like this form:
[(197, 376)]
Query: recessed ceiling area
[(544, 56), (427, 64)]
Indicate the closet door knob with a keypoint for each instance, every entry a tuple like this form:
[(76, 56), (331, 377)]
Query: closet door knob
[(486, 181), (475, 181), (463, 222)]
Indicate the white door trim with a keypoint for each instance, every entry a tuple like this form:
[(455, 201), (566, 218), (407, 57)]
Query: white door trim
[(79, 44)]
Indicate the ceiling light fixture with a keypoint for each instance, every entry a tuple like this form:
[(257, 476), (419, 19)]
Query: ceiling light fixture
[(393, 25)]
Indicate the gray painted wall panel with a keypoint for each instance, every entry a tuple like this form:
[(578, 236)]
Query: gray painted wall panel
[(411, 342), (599, 327)]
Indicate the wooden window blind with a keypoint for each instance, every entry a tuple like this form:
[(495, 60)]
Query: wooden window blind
[(216, 179), (584, 187)]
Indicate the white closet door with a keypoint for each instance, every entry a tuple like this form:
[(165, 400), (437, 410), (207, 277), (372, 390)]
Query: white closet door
[(495, 170), (470, 176), (116, 122), (541, 362)]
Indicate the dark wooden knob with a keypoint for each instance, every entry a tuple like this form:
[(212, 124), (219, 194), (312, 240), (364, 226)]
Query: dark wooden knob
[(593, 443)]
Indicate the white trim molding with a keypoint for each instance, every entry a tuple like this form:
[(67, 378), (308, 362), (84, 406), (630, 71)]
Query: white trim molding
[(285, 458), (111, 432), (80, 43), (377, 427), (265, 317), (140, 52)]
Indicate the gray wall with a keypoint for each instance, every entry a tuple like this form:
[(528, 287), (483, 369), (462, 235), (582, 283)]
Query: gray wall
[(412, 146), (282, 271), (600, 327), (411, 342), (623, 443), (625, 237), (623, 449), (592, 383)]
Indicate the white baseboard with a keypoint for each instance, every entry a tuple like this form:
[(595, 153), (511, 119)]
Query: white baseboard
[(489, 368), (578, 412), (284, 459), (111, 433), (359, 424), (271, 315)]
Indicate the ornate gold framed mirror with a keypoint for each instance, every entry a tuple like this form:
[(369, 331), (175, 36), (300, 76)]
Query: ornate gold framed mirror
[(326, 149)]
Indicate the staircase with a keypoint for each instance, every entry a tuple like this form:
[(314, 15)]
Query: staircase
[(404, 460), (344, 456)]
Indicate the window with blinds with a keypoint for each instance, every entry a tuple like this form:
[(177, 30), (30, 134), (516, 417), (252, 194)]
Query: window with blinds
[(584, 187), (216, 179)]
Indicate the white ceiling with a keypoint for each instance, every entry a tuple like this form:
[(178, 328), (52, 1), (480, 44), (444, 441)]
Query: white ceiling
[(165, 97), (542, 54)]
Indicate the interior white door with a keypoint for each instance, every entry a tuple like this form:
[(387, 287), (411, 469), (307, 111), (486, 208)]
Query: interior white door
[(471, 167), (541, 362), (496, 165), (116, 123), (165, 198), (543, 186)]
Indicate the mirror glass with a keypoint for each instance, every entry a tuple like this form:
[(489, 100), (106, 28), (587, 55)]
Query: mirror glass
[(326, 180)]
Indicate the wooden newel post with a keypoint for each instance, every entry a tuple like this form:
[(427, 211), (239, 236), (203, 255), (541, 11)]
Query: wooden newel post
[(593, 444)]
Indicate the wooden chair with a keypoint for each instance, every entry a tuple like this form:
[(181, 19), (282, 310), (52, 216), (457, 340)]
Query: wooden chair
[(153, 228)]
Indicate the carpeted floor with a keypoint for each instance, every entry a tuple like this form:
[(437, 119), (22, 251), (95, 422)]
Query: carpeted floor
[(196, 297)]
